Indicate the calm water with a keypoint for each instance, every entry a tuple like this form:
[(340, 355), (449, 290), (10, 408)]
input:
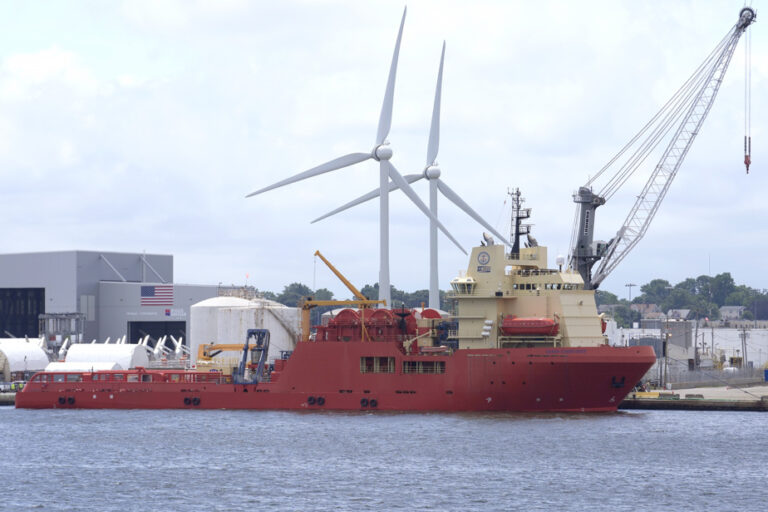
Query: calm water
[(227, 460)]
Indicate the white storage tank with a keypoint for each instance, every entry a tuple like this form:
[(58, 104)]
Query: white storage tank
[(227, 320), (19, 357), (126, 356)]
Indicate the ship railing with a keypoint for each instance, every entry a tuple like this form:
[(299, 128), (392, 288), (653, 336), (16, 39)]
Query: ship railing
[(520, 341), (174, 364)]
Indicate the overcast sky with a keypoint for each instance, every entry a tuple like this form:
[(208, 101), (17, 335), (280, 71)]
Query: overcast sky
[(141, 125)]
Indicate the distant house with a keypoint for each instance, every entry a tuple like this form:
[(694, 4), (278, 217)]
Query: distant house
[(648, 310), (678, 314), (731, 312)]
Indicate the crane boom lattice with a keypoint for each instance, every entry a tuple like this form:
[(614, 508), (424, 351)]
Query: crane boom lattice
[(686, 111)]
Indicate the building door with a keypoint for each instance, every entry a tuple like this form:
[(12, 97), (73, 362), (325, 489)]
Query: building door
[(19, 311)]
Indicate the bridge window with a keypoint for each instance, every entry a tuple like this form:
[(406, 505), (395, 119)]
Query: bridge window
[(464, 288)]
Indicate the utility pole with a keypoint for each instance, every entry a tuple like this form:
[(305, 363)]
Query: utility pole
[(630, 285), (744, 335), (696, 357)]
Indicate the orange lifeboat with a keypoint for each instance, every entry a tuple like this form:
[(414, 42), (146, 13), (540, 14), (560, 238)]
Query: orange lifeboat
[(514, 326)]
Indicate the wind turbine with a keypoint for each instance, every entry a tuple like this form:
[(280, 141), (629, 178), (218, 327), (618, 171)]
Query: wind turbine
[(432, 174), (382, 153)]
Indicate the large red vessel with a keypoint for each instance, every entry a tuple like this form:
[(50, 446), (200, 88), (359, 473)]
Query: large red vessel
[(523, 338), (375, 375)]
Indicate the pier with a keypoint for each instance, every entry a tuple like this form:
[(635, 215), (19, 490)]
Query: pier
[(724, 398)]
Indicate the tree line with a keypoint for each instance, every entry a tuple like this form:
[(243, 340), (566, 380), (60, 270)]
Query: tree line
[(703, 295)]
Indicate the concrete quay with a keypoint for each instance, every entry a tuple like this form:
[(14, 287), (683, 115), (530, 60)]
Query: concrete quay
[(7, 398), (723, 398)]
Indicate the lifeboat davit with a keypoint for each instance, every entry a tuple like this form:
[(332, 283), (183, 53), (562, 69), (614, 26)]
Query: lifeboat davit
[(514, 326)]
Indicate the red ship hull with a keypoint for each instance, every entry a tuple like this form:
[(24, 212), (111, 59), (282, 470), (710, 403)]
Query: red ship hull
[(353, 376)]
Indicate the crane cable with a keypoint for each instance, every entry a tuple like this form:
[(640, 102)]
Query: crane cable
[(748, 100)]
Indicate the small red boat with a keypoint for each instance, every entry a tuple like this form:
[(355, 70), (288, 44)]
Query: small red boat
[(514, 326)]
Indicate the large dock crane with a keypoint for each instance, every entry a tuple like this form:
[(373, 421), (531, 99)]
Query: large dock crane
[(684, 113)]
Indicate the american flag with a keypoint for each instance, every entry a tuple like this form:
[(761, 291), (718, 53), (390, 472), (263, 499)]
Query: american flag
[(157, 295)]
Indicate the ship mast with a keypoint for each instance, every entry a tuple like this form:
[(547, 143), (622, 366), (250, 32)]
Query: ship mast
[(518, 214)]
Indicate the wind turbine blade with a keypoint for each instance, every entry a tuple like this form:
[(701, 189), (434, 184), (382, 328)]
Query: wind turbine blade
[(434, 130), (455, 199), (370, 195), (338, 163), (385, 119), (402, 184)]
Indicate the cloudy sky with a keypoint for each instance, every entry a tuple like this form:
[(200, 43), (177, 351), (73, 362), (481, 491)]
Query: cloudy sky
[(141, 125)]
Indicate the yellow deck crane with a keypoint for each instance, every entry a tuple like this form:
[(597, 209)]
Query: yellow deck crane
[(361, 301)]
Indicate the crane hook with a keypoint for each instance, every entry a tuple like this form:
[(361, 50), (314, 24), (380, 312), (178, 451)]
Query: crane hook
[(747, 151)]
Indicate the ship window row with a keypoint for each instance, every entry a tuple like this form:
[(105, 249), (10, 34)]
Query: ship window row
[(537, 272), (387, 365), (131, 377), (546, 286), (463, 288), (377, 365), (423, 366)]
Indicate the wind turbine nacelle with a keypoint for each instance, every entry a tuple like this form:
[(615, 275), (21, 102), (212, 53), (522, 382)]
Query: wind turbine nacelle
[(382, 152), (432, 172)]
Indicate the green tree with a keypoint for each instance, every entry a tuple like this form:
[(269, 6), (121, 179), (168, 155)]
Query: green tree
[(679, 297), (293, 293), (654, 292), (704, 287), (400, 297), (603, 297), (624, 316), (741, 296), (689, 285), (266, 294), (371, 291), (722, 286), (323, 294)]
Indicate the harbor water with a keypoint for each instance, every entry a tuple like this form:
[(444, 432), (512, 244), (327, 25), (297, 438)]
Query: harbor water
[(110, 460)]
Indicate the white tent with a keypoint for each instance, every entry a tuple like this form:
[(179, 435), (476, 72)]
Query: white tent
[(63, 366), (125, 356), (20, 355)]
